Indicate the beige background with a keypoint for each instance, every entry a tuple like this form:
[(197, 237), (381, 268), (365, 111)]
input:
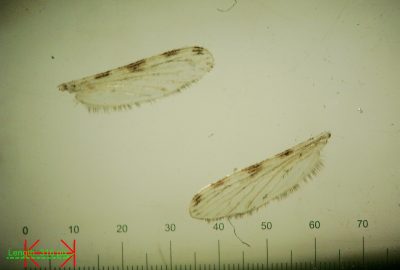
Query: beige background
[(284, 71)]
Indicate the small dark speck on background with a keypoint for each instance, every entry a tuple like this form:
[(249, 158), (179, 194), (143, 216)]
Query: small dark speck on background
[(52, 57)]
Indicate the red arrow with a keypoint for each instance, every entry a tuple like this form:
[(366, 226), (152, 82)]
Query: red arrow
[(28, 252), (27, 255), (72, 251)]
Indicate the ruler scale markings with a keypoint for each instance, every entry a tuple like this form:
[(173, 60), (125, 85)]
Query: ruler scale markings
[(195, 260), (387, 255), (266, 247), (308, 264), (219, 258), (147, 262), (315, 251), (170, 254), (243, 259), (122, 255), (363, 252)]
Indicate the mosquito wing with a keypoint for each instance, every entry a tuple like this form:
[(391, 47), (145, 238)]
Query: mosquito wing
[(255, 186), (143, 81)]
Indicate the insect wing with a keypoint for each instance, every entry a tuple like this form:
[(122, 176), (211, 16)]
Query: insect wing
[(143, 81), (253, 187)]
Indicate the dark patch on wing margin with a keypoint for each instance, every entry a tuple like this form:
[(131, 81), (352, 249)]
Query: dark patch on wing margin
[(253, 169), (102, 75), (197, 199), (218, 183), (285, 153), (171, 53), (136, 66), (198, 50)]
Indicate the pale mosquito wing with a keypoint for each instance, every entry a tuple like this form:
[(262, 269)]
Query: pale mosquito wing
[(143, 81), (249, 189)]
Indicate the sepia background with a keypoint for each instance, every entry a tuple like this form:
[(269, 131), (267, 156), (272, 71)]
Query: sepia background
[(284, 72)]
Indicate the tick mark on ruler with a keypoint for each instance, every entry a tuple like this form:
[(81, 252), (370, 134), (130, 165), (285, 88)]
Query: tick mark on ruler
[(170, 254), (315, 251), (122, 254), (147, 262)]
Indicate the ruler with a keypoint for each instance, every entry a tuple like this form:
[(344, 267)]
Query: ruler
[(387, 258)]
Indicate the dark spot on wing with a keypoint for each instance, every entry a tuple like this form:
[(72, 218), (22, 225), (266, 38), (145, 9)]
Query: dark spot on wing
[(218, 183), (69, 86), (285, 153), (253, 169), (314, 141), (137, 66), (102, 75), (197, 199), (63, 87), (198, 50), (171, 53)]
